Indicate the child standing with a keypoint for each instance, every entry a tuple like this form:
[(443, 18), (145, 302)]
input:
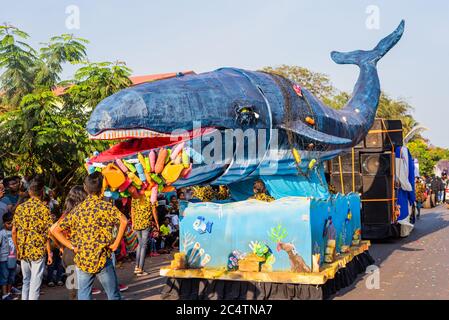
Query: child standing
[(8, 260), (166, 236), (154, 236)]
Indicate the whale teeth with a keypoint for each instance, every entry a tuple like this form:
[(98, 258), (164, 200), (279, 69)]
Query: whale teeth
[(126, 134)]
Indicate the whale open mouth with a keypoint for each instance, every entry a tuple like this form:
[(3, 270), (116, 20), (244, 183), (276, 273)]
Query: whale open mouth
[(133, 141)]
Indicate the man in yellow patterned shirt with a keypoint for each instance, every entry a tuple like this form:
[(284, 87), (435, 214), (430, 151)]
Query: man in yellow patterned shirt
[(91, 226), (141, 211), (30, 233)]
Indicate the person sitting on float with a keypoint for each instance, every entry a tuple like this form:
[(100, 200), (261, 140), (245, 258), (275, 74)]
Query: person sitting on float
[(260, 192)]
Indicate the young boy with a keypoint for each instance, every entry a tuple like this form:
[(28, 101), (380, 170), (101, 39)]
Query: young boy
[(154, 237), (30, 233), (7, 258), (166, 236)]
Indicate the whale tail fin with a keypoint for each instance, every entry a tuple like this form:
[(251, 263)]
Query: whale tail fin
[(361, 57)]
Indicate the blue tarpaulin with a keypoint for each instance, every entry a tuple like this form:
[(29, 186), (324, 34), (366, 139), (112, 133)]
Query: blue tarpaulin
[(313, 184)]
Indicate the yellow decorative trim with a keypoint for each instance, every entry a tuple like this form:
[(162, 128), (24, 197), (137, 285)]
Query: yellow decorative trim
[(327, 272)]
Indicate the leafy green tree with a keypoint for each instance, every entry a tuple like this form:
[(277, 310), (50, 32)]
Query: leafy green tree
[(61, 49), (95, 81), (42, 139), (44, 133), (420, 150), (27, 70), (428, 156), (17, 59)]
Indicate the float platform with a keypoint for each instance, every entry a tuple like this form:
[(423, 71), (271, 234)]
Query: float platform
[(213, 284)]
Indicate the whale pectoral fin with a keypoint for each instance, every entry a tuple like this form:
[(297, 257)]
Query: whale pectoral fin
[(315, 136)]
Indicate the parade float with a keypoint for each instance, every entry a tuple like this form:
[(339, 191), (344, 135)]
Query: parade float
[(234, 127)]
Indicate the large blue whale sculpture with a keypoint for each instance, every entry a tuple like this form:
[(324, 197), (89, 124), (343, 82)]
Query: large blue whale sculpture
[(155, 114)]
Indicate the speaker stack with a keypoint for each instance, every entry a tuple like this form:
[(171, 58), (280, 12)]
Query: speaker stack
[(368, 170)]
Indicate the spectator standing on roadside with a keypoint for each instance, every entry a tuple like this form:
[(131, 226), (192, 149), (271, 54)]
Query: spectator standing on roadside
[(8, 257), (12, 186), (30, 234), (420, 191), (91, 225), (141, 211), (434, 187)]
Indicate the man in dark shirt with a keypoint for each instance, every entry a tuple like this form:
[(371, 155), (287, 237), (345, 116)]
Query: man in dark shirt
[(435, 188), (12, 186)]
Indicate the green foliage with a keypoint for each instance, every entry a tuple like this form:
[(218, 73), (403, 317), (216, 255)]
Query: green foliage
[(27, 70), (61, 49), (95, 81), (428, 156), (17, 59), (42, 133), (278, 233), (43, 139)]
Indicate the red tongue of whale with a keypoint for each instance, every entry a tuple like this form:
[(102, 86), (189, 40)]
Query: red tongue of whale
[(133, 146)]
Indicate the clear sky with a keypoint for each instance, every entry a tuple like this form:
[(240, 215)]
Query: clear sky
[(156, 36)]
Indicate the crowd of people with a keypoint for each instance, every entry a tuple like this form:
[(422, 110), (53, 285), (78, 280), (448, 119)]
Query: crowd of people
[(43, 237), (40, 239), (430, 189)]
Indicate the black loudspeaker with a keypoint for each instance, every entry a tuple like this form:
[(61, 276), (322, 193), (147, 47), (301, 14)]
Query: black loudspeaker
[(376, 164), (376, 213), (346, 163), (347, 182), (377, 187), (383, 134), (375, 138), (395, 132)]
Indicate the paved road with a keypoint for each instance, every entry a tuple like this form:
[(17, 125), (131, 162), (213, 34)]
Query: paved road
[(416, 267), (140, 288)]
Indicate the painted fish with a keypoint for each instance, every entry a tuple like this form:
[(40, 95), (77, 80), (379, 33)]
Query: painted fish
[(201, 226)]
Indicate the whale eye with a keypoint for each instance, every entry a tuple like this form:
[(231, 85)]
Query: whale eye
[(246, 115)]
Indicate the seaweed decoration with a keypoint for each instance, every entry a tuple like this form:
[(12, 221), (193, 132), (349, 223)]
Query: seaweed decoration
[(278, 233)]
